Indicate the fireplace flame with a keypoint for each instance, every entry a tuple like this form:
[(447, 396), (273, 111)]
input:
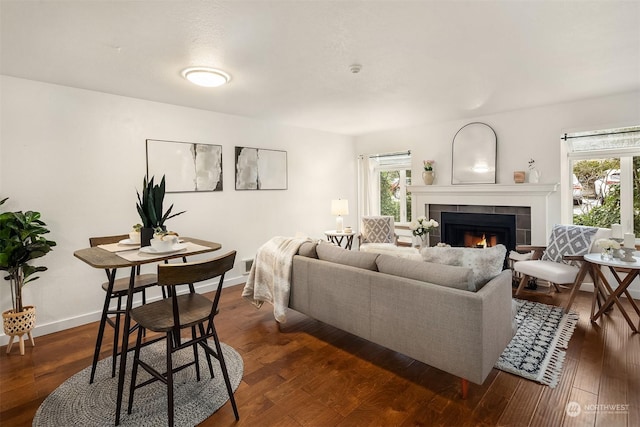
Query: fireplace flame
[(482, 243)]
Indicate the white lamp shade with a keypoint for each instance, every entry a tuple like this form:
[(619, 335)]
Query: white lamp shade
[(339, 207)]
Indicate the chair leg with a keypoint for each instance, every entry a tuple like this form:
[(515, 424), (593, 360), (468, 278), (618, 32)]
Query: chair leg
[(116, 337), (577, 284), (225, 374), (523, 281), (103, 322), (169, 379), (195, 352), (206, 353), (134, 370), (144, 301)]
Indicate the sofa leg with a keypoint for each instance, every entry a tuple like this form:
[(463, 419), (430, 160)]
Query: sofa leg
[(464, 387)]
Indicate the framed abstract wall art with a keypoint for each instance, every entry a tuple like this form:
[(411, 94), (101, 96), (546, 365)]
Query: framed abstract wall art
[(187, 166), (260, 169)]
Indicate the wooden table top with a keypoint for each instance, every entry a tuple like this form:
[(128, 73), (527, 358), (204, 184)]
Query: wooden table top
[(100, 258)]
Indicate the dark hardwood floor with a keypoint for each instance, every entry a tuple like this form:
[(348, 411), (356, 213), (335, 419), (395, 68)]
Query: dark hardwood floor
[(311, 374)]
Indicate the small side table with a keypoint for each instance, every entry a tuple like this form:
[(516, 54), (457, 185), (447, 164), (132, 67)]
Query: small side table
[(338, 237), (597, 262)]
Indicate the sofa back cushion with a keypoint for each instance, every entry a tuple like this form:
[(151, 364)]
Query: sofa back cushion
[(308, 249), (485, 263), (332, 253), (438, 274)]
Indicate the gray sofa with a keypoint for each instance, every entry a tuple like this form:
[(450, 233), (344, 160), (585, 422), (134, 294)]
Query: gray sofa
[(420, 309)]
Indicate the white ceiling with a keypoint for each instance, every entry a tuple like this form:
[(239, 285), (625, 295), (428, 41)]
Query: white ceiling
[(422, 61)]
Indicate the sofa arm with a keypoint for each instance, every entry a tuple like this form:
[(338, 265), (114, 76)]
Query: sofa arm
[(457, 331), (537, 250), (497, 316)]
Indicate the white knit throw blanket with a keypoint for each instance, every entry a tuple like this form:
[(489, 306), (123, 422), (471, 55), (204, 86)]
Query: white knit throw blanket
[(270, 276)]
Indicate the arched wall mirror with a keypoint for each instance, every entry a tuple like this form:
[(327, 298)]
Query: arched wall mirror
[(474, 155)]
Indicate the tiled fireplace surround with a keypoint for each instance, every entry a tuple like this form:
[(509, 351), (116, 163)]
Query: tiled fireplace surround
[(528, 202), (522, 214)]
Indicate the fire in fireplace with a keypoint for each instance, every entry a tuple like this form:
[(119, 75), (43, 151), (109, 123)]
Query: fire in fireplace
[(478, 230), (479, 240)]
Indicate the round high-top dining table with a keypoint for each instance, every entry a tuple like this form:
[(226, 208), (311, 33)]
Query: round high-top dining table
[(118, 255)]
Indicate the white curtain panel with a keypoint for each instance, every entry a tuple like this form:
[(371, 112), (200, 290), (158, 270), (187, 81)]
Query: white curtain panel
[(367, 196)]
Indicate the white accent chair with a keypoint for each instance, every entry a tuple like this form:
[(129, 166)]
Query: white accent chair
[(377, 229), (569, 271)]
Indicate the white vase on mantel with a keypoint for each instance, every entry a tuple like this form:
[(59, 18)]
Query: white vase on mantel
[(534, 176), (427, 177)]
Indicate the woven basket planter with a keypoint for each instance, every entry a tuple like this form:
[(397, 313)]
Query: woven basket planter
[(18, 324)]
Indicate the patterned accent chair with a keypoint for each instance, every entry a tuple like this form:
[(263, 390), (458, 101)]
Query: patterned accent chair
[(377, 229), (561, 262)]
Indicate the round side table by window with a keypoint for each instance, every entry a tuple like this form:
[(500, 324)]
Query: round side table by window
[(337, 237), (632, 270)]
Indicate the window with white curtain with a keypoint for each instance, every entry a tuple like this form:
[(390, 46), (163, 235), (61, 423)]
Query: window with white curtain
[(383, 181), (605, 174)]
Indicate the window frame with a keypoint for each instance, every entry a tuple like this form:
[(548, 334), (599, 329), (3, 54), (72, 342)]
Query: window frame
[(625, 154), (402, 172)]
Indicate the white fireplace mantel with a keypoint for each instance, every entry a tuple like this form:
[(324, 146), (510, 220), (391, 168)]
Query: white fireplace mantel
[(535, 196), (533, 190)]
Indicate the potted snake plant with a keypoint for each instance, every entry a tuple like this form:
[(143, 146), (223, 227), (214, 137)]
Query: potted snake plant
[(150, 209), (21, 240)]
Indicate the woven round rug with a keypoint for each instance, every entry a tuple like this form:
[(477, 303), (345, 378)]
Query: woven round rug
[(78, 403)]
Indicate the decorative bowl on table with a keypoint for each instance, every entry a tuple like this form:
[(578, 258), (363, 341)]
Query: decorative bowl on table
[(164, 243)]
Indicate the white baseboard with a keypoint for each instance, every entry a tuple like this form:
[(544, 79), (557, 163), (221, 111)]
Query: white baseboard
[(94, 316)]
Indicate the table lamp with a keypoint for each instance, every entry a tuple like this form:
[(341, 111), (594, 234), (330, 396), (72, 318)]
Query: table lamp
[(339, 207)]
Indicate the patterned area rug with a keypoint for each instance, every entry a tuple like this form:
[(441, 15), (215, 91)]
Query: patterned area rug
[(78, 403), (537, 350)]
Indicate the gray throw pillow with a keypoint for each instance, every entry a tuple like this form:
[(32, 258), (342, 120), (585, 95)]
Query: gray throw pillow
[(377, 229), (332, 253), (568, 240), (438, 274), (485, 263)]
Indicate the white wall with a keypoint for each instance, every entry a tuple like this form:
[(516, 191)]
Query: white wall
[(78, 156), (522, 135)]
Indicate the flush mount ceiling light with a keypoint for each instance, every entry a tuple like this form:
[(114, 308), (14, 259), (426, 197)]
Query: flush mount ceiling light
[(207, 77)]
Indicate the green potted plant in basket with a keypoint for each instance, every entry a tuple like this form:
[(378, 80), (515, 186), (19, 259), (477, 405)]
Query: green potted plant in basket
[(21, 240), (150, 209)]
